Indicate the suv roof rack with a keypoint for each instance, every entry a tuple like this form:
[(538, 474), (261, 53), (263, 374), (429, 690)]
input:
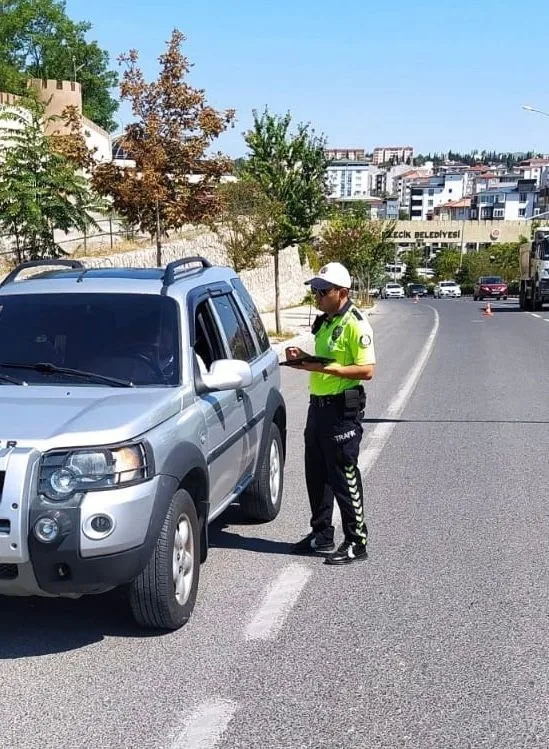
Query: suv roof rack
[(175, 268), (37, 264)]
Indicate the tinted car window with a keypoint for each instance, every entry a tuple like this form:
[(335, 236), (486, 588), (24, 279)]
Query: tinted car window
[(239, 338), (253, 314), (132, 337)]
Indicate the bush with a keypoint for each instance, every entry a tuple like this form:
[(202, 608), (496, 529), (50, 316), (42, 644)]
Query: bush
[(467, 289), (513, 288)]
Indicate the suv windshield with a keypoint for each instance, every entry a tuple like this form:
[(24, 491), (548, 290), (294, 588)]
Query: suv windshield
[(491, 279), (129, 337), (448, 283)]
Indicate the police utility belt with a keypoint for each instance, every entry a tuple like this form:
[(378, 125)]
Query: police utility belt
[(352, 399)]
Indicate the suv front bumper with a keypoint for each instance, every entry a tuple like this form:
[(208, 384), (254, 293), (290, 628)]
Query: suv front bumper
[(75, 564)]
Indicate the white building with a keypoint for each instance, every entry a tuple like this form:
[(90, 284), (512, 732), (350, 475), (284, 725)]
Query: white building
[(350, 180), (402, 183), (536, 169), (506, 203), (345, 154), (429, 194), (394, 154)]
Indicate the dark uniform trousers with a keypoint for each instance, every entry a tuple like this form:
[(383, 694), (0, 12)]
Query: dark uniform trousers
[(332, 441)]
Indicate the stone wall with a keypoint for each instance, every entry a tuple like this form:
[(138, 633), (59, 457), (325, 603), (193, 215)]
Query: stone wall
[(259, 281)]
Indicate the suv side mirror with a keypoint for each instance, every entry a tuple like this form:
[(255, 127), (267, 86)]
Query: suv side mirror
[(227, 374)]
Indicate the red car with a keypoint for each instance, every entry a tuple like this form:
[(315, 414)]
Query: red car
[(490, 287)]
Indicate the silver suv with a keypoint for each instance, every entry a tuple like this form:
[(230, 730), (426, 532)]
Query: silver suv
[(135, 406)]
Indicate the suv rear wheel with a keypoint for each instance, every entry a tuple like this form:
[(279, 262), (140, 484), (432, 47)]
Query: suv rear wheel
[(262, 499), (164, 594)]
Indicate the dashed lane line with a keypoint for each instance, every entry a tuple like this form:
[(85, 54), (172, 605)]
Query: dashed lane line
[(204, 728), (278, 603)]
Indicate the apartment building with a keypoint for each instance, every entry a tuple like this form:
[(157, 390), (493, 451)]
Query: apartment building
[(350, 180), (536, 169), (394, 154), (345, 154), (427, 195), (458, 210), (506, 203)]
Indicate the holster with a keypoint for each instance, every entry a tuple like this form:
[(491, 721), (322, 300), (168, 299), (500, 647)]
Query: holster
[(355, 400)]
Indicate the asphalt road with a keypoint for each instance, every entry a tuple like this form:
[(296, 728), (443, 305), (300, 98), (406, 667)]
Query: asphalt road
[(439, 640)]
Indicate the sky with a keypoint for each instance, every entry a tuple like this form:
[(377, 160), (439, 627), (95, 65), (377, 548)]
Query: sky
[(417, 73)]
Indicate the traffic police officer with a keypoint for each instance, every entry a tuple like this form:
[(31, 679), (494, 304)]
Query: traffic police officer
[(334, 431)]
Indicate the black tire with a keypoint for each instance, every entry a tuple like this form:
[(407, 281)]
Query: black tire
[(504, 298), (257, 501), (153, 600), (475, 298)]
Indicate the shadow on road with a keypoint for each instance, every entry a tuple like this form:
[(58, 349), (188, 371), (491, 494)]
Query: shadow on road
[(222, 538), (42, 626)]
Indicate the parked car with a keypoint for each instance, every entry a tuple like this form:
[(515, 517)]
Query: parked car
[(392, 291), (490, 286), (137, 404), (416, 289), (447, 289)]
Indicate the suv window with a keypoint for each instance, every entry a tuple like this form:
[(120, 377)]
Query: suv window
[(253, 315), (208, 345), (132, 337), (239, 338)]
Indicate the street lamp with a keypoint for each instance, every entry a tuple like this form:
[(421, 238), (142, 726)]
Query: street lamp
[(75, 68), (528, 108)]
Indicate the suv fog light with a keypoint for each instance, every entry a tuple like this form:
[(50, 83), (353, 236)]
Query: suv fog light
[(47, 530), (98, 527)]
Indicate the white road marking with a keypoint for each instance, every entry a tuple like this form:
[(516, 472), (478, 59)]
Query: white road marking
[(205, 727), (535, 315), (278, 602), (381, 433)]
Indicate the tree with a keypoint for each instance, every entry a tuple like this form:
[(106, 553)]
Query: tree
[(39, 40), (243, 223), (446, 264), (173, 182), (41, 189), (290, 170), (363, 246), (412, 259)]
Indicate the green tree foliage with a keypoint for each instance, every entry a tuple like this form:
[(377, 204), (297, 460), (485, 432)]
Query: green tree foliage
[(39, 40), (290, 170), (412, 259), (363, 246), (41, 190), (446, 264)]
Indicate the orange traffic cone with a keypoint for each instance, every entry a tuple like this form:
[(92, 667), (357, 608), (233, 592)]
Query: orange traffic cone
[(416, 299), (487, 311)]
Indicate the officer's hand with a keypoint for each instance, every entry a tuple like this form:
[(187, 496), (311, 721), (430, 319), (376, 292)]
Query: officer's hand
[(293, 352), (313, 366)]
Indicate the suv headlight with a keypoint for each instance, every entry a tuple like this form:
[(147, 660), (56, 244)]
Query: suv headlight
[(64, 474)]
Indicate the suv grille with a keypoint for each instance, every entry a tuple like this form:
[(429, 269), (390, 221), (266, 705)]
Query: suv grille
[(8, 571)]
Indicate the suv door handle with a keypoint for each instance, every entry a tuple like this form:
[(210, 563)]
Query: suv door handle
[(265, 374)]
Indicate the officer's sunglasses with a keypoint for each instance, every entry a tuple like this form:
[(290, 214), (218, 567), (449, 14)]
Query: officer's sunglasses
[(321, 292)]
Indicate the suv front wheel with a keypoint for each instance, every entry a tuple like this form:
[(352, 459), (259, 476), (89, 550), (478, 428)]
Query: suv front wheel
[(262, 499), (164, 594)]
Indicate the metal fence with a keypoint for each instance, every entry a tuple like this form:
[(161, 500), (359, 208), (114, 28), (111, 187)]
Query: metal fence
[(111, 231)]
